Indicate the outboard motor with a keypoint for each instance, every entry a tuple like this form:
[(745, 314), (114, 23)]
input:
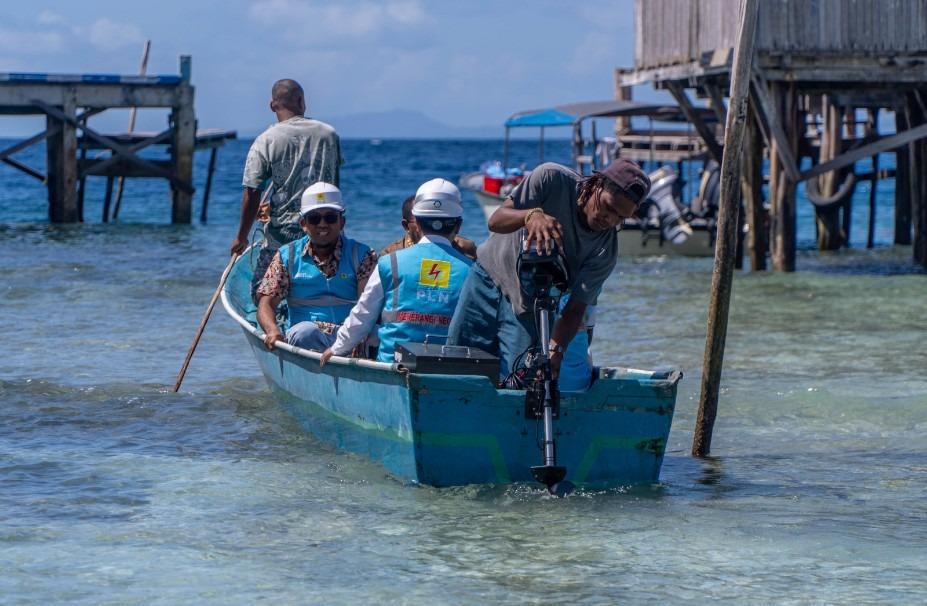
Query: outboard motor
[(543, 277), (705, 205), (606, 150), (662, 196)]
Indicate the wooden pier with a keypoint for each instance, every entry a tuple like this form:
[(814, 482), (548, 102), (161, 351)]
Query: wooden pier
[(823, 72), (68, 102)]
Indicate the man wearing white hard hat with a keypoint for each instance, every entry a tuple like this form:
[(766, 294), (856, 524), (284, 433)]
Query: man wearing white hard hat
[(413, 234), (414, 291), (320, 275)]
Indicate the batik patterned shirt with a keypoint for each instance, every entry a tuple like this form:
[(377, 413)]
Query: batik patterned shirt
[(276, 282)]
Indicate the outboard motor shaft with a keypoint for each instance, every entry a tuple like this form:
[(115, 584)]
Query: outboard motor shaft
[(543, 278)]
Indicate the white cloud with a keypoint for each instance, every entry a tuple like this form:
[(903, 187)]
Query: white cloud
[(107, 34), (47, 17), (409, 12), (59, 33), (316, 24), (30, 42)]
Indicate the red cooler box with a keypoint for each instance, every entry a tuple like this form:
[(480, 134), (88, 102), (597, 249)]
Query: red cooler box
[(492, 185)]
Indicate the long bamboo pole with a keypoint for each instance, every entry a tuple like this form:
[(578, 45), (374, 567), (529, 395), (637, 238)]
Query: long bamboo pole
[(202, 327), (212, 303), (723, 274), (143, 68)]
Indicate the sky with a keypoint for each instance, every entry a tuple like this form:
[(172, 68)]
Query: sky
[(466, 64)]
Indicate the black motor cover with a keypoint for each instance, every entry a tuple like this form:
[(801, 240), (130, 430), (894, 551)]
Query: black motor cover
[(430, 358)]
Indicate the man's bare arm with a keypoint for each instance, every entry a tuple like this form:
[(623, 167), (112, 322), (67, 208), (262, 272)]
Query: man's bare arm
[(250, 201), (543, 230), (507, 218), (267, 318)]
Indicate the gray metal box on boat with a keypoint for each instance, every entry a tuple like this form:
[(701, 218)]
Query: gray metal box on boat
[(429, 358)]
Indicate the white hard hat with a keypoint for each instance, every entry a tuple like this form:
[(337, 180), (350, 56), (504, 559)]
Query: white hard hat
[(320, 195), (437, 198)]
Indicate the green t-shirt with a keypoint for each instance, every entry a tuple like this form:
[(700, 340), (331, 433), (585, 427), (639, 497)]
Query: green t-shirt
[(590, 255), (294, 154)]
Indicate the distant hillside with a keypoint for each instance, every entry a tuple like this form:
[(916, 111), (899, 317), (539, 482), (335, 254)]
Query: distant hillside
[(405, 124), (411, 124)]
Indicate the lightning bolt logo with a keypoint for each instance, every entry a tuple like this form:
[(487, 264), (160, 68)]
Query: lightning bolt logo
[(434, 273)]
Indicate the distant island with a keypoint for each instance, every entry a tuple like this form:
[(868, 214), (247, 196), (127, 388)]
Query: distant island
[(412, 124)]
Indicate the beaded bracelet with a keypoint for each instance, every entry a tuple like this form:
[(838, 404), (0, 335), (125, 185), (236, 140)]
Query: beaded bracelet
[(531, 213)]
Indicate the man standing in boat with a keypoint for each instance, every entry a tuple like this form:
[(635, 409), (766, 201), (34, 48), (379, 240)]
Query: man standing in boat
[(294, 153), (414, 291), (320, 275), (414, 234), (553, 205)]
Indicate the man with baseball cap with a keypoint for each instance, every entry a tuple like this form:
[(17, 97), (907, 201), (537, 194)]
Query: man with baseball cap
[(320, 275), (552, 206), (414, 291)]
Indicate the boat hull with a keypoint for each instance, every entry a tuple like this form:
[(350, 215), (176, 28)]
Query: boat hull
[(450, 430)]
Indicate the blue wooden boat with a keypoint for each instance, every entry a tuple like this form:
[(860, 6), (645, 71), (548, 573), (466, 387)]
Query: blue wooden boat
[(450, 430)]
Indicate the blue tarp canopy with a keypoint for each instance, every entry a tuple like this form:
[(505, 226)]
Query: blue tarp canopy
[(567, 115)]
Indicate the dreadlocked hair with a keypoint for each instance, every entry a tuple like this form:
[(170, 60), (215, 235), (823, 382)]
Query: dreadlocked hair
[(596, 181)]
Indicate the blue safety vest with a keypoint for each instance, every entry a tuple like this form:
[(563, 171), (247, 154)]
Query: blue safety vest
[(421, 285), (312, 295)]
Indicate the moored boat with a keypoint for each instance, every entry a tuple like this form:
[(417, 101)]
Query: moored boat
[(655, 233), (666, 225), (450, 429)]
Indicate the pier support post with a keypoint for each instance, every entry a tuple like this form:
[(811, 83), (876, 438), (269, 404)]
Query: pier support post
[(752, 185), (61, 154), (902, 183), (872, 131), (728, 211), (209, 173), (781, 186), (830, 233), (918, 151), (622, 93), (183, 124)]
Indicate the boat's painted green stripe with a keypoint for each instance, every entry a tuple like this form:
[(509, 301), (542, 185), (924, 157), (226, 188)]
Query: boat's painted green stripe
[(487, 442), (356, 424), (600, 443)]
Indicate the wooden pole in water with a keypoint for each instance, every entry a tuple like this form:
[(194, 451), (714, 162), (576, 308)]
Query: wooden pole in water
[(183, 144), (107, 198), (727, 231), (143, 68), (781, 179), (209, 173), (902, 181), (918, 157), (202, 327), (752, 186), (872, 131), (212, 304)]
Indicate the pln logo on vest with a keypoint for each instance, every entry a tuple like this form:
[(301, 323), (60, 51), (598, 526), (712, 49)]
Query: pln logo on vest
[(436, 274)]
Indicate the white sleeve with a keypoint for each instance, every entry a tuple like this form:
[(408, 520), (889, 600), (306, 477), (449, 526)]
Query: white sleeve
[(363, 316)]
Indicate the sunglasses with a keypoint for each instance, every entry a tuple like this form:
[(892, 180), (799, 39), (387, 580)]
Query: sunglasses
[(316, 218)]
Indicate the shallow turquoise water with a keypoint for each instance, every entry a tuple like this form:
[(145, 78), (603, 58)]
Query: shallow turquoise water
[(113, 490)]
